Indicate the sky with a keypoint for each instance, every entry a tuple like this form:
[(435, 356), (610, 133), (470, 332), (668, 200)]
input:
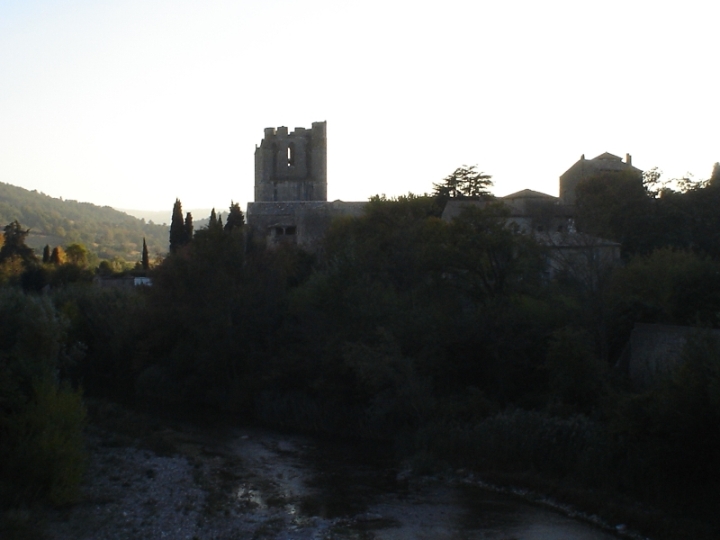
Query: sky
[(134, 103)]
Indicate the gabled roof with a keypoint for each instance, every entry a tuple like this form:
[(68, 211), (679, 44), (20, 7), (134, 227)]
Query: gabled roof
[(529, 194)]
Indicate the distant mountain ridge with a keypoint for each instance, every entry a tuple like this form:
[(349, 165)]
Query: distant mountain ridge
[(103, 230)]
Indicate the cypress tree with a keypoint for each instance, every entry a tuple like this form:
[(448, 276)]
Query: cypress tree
[(145, 256), (235, 219), (57, 257), (177, 228), (215, 225), (46, 254), (188, 228)]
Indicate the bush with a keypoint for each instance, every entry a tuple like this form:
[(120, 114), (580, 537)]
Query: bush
[(43, 455), (41, 420), (518, 441)]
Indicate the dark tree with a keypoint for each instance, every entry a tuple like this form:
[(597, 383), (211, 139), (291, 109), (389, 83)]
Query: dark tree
[(14, 245), (464, 182), (188, 228), (178, 237), (235, 219), (46, 254), (145, 256), (215, 224)]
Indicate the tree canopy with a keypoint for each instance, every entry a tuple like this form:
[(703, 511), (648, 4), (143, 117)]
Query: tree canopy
[(464, 182)]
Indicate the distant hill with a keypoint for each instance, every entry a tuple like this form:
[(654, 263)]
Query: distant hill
[(160, 217), (103, 230)]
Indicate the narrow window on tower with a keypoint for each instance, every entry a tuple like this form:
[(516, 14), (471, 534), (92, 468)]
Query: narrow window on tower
[(291, 154)]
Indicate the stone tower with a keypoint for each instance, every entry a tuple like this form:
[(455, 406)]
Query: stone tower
[(292, 166), (586, 168)]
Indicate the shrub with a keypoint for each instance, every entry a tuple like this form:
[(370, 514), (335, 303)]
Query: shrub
[(43, 455)]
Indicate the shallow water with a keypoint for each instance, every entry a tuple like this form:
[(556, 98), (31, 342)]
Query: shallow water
[(355, 493)]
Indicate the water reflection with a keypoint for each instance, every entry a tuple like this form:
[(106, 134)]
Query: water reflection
[(363, 489)]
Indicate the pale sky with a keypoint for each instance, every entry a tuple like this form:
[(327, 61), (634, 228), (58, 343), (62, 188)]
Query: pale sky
[(132, 103)]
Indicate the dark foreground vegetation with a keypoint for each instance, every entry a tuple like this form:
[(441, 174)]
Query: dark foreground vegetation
[(446, 340)]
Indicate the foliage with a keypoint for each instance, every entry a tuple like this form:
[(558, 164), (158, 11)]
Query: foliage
[(486, 256), (577, 378), (44, 455), (235, 218), (77, 254), (667, 286), (14, 245), (670, 433), (464, 182), (647, 215), (58, 257), (106, 324), (41, 419)]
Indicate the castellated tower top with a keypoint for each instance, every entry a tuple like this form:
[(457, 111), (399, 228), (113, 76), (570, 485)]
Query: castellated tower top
[(292, 166)]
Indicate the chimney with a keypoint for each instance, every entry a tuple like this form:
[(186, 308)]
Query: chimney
[(628, 159)]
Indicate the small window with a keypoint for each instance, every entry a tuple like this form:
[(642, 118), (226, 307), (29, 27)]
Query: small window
[(291, 154), (278, 231), (291, 230)]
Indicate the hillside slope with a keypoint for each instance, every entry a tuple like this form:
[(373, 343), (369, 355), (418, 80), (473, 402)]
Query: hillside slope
[(56, 222)]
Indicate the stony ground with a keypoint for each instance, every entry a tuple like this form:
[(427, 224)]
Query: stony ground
[(188, 483)]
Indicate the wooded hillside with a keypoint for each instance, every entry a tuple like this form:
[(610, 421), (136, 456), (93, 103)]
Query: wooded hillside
[(103, 230)]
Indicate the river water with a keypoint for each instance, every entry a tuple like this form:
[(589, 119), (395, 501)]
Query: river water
[(356, 494)]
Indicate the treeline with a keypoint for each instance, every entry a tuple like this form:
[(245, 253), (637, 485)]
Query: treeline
[(445, 339), (107, 233)]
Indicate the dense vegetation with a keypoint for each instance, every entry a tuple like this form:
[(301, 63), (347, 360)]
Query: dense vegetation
[(106, 233), (444, 339)]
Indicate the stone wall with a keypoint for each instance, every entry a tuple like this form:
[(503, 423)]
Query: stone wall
[(654, 351)]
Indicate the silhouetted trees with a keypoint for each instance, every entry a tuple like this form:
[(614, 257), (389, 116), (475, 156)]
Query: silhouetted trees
[(464, 182), (14, 245), (177, 228), (235, 218)]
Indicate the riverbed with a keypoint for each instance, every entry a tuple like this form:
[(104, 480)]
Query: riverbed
[(188, 483)]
